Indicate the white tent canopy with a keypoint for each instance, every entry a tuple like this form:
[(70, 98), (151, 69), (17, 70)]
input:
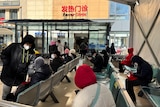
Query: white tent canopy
[(5, 31), (145, 29)]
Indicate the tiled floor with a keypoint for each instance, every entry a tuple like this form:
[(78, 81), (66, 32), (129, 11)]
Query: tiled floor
[(65, 93)]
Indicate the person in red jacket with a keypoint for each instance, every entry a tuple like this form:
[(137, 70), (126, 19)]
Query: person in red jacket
[(127, 60)]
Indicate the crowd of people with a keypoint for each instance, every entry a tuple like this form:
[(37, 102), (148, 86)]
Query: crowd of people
[(23, 67)]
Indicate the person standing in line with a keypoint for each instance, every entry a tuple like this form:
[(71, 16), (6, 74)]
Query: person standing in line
[(66, 45), (16, 58), (107, 49), (112, 49), (91, 93), (83, 49), (52, 47), (60, 47)]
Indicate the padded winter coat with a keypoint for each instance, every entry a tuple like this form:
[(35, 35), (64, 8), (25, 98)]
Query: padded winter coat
[(15, 64), (127, 60), (85, 97)]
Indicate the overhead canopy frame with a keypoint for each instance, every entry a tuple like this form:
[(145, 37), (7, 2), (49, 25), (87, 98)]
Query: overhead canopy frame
[(60, 25)]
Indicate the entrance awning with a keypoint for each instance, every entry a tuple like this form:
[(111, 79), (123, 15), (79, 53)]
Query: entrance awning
[(5, 31)]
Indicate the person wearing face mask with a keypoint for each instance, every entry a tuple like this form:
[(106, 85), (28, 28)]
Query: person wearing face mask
[(97, 61), (143, 75), (16, 58), (56, 61)]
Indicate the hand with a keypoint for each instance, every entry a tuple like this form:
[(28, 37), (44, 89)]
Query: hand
[(89, 58)]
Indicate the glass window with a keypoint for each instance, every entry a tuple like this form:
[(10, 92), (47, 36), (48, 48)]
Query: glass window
[(97, 40), (13, 14), (119, 11), (2, 13)]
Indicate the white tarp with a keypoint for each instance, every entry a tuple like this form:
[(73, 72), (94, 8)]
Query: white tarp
[(145, 24), (5, 31), (147, 15)]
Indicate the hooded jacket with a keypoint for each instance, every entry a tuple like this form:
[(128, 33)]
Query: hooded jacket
[(56, 62), (98, 63), (85, 79), (42, 71), (127, 60), (144, 70), (15, 61)]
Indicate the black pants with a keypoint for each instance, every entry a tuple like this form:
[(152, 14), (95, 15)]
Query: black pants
[(83, 53), (121, 69), (131, 84)]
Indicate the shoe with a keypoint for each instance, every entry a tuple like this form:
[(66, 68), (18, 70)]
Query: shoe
[(76, 91), (140, 94), (135, 102), (122, 71)]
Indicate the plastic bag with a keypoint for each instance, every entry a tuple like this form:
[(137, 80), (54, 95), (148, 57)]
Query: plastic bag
[(131, 77)]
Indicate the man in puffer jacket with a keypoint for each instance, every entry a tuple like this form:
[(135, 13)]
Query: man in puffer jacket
[(85, 79), (127, 60), (16, 58)]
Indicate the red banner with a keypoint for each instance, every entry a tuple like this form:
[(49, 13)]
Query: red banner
[(1, 20)]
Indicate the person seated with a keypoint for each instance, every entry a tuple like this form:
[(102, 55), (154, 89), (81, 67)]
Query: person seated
[(97, 61), (143, 76), (72, 53), (42, 71), (105, 58), (56, 61), (66, 56), (37, 71), (92, 93), (127, 60)]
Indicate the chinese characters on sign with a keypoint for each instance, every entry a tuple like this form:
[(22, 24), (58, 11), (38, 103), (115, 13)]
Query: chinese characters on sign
[(75, 11), (1, 20)]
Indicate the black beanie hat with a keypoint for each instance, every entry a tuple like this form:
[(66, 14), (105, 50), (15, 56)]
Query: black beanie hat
[(57, 53), (30, 39)]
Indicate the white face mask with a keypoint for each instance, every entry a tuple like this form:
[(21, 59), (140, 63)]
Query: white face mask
[(136, 65), (26, 47), (52, 56)]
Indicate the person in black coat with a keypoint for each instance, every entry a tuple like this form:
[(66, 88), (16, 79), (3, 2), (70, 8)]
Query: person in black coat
[(42, 71), (105, 58), (66, 56), (144, 75), (112, 49), (52, 47), (97, 60), (37, 72), (16, 58), (56, 61)]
